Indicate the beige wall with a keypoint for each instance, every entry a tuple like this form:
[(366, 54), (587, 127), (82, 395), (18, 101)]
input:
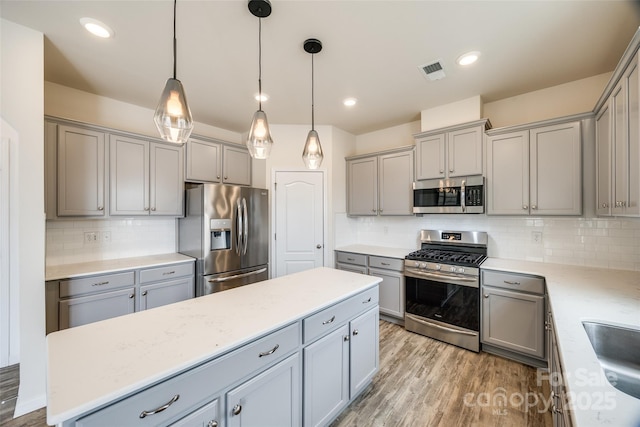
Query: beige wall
[(396, 136), (64, 102), (575, 97), (22, 59)]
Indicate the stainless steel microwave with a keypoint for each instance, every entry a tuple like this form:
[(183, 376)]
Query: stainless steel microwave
[(454, 195)]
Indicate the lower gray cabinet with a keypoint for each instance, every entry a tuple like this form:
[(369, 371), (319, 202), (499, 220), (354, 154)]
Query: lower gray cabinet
[(338, 367), (272, 398), (79, 311), (163, 293), (207, 416), (513, 316)]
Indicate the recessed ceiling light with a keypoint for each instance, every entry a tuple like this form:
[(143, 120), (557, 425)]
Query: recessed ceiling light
[(350, 102), (468, 58), (264, 97), (96, 27)]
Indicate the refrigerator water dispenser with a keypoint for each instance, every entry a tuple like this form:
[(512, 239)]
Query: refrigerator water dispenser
[(220, 234)]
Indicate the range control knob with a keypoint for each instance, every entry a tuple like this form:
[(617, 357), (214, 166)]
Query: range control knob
[(423, 265), (452, 269), (438, 266), (461, 270), (417, 264)]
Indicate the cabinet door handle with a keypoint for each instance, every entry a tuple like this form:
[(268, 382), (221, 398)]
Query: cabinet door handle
[(161, 408), (604, 205), (237, 409), (367, 301), (486, 295), (100, 208), (525, 207), (226, 178), (326, 322), (144, 293), (218, 176), (534, 207), (270, 352), (132, 295), (373, 210), (146, 208), (345, 338), (212, 423), (441, 170), (509, 282), (153, 209), (355, 332)]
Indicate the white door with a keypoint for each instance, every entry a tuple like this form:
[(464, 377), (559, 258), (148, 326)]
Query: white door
[(299, 218)]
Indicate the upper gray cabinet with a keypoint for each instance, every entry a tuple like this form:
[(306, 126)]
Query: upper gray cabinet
[(92, 171), (381, 183), (146, 178), (214, 161), (450, 152), (536, 171), (618, 147), (79, 171)]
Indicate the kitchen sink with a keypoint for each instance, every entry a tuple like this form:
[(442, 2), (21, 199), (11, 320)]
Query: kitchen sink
[(618, 351)]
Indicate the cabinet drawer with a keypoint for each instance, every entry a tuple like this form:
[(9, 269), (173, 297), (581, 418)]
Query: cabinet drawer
[(196, 386), (88, 285), (166, 272), (513, 281), (351, 258), (386, 263), (333, 317)]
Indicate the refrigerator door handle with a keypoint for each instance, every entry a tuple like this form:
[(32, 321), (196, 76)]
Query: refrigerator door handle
[(239, 227), (237, 276), (245, 222)]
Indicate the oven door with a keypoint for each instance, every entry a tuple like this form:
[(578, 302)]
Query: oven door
[(443, 307)]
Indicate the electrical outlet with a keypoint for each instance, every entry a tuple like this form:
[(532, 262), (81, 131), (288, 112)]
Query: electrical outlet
[(536, 237), (106, 236), (91, 237)]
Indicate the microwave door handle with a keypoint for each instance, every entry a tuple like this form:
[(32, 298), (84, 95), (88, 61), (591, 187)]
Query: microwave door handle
[(245, 223), (462, 196)]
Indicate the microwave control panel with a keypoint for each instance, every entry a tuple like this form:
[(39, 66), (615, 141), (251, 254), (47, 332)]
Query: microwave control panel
[(474, 196)]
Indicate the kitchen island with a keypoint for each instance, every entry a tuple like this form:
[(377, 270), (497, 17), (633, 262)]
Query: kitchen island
[(578, 294), (98, 374)]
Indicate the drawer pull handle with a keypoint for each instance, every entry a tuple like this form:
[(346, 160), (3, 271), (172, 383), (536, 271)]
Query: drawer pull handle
[(385, 263), (326, 322), (162, 408), (101, 283), (168, 273), (237, 409), (509, 282), (367, 301), (268, 353), (351, 259)]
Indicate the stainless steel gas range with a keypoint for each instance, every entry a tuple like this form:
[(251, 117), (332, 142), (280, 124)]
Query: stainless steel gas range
[(443, 286)]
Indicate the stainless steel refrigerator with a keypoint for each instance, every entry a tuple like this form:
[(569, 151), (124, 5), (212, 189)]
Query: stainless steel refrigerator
[(226, 228)]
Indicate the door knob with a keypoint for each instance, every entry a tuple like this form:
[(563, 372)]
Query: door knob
[(319, 246)]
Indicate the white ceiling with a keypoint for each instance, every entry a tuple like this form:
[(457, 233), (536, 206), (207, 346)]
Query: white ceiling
[(371, 51)]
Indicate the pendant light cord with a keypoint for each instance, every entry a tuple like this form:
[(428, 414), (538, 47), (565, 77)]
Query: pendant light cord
[(175, 3), (260, 64), (312, 103)]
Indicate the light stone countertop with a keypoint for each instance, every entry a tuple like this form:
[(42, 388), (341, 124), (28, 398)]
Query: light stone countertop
[(584, 293), (92, 365), (67, 271), (377, 250)]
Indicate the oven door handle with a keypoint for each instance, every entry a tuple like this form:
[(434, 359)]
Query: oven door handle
[(434, 325), (444, 276)]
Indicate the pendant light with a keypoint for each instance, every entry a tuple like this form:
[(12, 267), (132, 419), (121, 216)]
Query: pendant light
[(173, 117), (312, 153), (259, 140)]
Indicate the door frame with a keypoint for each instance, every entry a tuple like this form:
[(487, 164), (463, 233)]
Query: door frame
[(325, 231)]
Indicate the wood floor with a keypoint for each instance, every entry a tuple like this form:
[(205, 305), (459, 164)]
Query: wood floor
[(423, 383)]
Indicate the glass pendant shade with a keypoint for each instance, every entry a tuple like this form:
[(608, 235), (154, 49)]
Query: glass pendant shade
[(312, 153), (259, 141), (173, 117)]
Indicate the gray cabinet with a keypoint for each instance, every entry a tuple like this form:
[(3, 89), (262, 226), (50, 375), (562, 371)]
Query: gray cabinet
[(82, 300), (79, 171), (560, 411), (207, 416), (618, 147), (216, 161), (146, 178), (513, 316), (381, 183), (535, 171), (338, 367), (271, 398), (390, 270), (450, 152)]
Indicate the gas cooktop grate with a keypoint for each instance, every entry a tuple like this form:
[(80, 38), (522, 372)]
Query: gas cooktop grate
[(451, 257)]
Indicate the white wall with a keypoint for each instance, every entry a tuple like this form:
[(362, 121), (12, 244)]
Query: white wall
[(396, 136), (22, 106)]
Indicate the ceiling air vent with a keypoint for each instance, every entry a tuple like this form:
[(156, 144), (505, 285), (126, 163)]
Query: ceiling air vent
[(433, 70)]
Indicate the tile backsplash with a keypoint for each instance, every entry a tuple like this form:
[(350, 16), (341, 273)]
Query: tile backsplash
[(70, 242), (599, 242)]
